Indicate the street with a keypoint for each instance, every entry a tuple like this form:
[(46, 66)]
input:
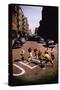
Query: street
[(30, 71)]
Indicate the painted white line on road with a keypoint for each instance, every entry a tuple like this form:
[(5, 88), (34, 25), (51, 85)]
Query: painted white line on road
[(28, 65), (22, 70)]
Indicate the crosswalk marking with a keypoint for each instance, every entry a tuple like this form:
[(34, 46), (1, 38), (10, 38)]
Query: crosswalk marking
[(28, 65), (22, 70)]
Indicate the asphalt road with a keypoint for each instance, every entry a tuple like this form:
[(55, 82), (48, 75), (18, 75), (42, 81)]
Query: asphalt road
[(30, 71)]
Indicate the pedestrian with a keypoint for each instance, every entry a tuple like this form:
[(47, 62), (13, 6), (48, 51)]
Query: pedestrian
[(47, 58), (36, 53), (22, 54), (30, 54), (40, 56), (52, 54)]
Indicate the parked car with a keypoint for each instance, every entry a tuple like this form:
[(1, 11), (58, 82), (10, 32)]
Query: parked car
[(36, 38), (23, 40), (41, 40), (50, 42), (17, 43), (26, 37), (30, 38)]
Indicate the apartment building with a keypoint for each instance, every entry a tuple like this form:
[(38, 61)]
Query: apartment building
[(19, 25)]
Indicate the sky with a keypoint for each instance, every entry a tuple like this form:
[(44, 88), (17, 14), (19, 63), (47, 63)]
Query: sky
[(33, 14)]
